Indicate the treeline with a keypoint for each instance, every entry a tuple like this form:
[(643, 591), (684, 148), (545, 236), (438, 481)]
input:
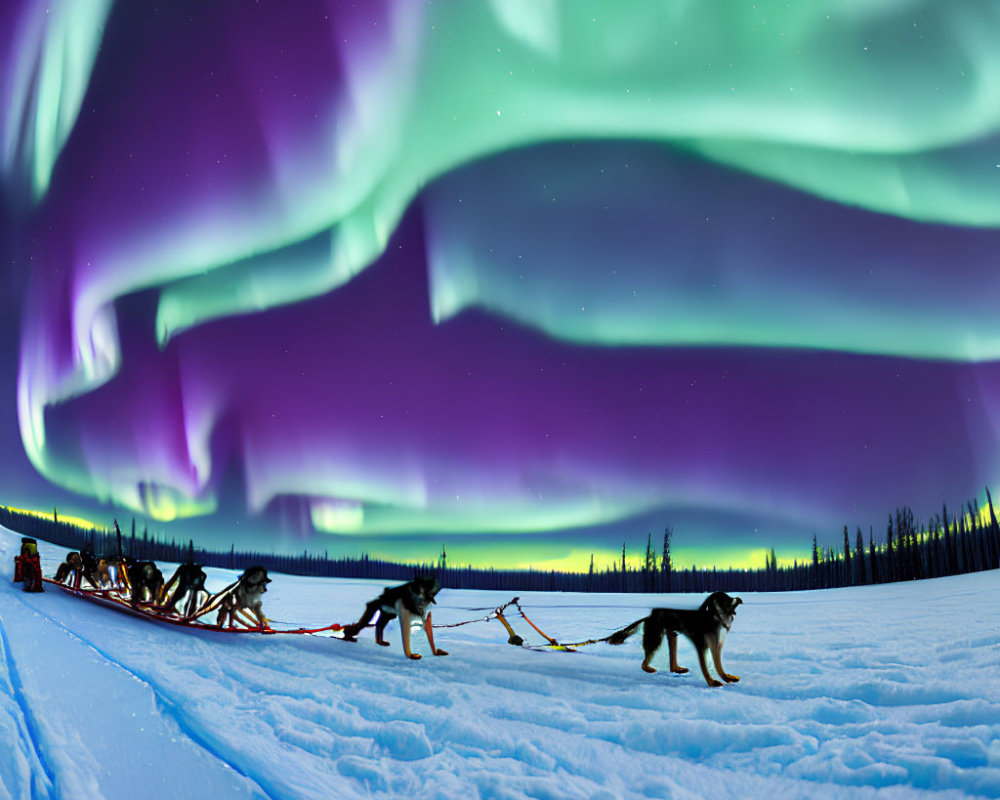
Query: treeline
[(968, 541), (949, 544)]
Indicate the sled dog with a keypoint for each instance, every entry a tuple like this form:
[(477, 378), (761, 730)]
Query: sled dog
[(73, 565), (705, 626), (145, 577), (408, 601), (89, 561), (243, 603), (101, 574), (189, 580)]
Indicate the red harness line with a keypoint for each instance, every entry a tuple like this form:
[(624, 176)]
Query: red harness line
[(513, 638), (532, 624)]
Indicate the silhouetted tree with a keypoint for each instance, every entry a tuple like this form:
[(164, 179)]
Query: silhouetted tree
[(815, 559), (994, 530), (848, 572), (647, 565), (873, 570), (890, 555), (859, 559), (665, 566)]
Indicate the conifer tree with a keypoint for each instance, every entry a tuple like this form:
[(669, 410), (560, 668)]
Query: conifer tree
[(994, 530), (815, 570), (934, 550), (890, 555), (848, 572), (979, 540), (968, 549), (958, 531), (647, 565), (665, 566), (986, 529), (941, 554), (859, 558), (873, 567), (902, 561), (950, 551)]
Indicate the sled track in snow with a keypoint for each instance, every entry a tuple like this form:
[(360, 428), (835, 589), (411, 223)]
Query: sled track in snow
[(30, 725), (167, 706)]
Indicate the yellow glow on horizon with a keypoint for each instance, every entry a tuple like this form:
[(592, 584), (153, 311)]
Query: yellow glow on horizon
[(577, 560), (79, 522), (574, 561)]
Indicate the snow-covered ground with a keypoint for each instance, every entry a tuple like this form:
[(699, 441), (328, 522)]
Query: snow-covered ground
[(890, 691)]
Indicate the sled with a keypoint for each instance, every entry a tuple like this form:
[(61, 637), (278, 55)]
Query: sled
[(112, 598)]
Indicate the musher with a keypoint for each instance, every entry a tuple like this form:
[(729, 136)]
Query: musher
[(28, 567)]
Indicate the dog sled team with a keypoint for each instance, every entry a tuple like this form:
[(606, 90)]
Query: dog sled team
[(184, 597)]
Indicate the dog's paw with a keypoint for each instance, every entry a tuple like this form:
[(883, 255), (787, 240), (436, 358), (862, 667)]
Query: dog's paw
[(384, 644), (713, 683), (647, 668), (679, 670), (732, 678), (440, 652), (414, 656)]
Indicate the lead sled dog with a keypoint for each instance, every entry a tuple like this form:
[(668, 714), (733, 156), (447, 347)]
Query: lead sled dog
[(706, 627)]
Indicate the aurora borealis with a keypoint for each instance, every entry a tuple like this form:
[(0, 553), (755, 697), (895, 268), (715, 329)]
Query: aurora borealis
[(527, 278)]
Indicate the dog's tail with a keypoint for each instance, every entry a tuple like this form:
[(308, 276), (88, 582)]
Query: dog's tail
[(619, 637)]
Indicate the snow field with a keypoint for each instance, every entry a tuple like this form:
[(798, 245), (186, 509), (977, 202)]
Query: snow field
[(872, 692)]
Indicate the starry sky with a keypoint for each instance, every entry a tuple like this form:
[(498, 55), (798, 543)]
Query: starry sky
[(527, 279)]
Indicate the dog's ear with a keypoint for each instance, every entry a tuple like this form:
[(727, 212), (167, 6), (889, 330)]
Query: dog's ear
[(737, 601)]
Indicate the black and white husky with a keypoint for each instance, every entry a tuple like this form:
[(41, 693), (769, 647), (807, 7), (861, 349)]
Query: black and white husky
[(706, 627), (407, 601), (243, 603)]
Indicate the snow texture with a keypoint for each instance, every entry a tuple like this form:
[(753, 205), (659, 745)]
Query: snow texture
[(872, 692)]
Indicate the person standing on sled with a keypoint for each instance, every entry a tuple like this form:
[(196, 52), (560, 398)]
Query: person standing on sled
[(410, 600), (28, 567)]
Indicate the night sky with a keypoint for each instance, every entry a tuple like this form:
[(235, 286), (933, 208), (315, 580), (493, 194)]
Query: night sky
[(528, 279)]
